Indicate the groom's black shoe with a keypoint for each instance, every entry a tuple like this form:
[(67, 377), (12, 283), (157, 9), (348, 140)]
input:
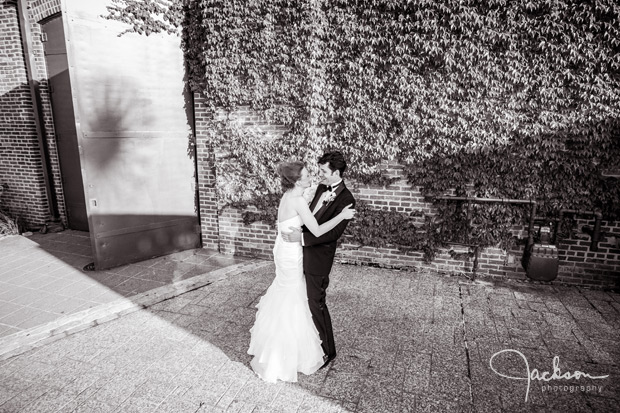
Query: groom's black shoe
[(328, 359)]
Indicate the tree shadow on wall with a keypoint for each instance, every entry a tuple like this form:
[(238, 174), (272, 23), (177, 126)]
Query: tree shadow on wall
[(142, 182)]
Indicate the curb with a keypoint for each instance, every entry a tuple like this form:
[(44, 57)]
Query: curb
[(23, 341)]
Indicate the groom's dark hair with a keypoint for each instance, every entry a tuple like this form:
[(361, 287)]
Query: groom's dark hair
[(334, 160)]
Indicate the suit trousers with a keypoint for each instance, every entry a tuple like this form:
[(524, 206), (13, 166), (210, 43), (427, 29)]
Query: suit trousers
[(317, 288)]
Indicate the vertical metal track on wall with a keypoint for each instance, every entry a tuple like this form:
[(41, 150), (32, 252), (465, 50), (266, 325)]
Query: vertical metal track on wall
[(24, 25)]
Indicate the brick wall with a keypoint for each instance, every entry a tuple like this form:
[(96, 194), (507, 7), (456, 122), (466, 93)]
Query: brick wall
[(43, 9), (581, 265), (20, 161), (21, 166), (578, 265), (21, 169), (232, 237), (207, 197)]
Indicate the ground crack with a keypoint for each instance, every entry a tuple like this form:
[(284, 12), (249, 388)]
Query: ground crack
[(471, 394)]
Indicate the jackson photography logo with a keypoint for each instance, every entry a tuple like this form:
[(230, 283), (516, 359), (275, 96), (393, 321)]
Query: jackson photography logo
[(534, 374)]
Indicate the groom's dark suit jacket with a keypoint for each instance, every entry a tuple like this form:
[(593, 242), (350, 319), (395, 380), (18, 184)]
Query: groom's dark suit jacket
[(319, 252)]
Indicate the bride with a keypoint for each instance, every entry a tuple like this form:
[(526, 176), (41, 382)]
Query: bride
[(284, 339)]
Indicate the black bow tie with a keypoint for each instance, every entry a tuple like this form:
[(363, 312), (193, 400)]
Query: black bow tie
[(331, 188)]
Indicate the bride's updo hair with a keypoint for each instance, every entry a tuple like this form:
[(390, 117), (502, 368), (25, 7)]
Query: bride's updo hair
[(289, 173)]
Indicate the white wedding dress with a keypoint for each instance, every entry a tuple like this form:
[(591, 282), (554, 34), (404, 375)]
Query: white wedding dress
[(284, 340)]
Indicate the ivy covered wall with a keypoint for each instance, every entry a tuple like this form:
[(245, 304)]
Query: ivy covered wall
[(504, 99), (495, 99)]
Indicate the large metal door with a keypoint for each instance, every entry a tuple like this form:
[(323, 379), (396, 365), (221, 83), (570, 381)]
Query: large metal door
[(64, 124), (134, 125)]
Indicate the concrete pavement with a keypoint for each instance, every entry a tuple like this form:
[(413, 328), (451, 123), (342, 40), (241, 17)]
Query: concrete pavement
[(407, 342), (45, 293)]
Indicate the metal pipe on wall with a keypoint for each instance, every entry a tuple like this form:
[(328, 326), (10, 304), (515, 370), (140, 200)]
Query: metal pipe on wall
[(483, 200), (24, 25), (530, 227), (596, 232)]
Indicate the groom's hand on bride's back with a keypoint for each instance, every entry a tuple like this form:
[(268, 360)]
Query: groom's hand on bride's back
[(293, 236), (348, 212)]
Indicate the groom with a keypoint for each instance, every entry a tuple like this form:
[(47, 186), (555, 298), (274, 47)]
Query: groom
[(330, 198)]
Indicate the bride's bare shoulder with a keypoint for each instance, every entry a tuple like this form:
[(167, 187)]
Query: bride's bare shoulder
[(291, 203), (298, 199)]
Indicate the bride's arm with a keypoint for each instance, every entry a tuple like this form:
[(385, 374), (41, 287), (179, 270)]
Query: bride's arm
[(310, 221)]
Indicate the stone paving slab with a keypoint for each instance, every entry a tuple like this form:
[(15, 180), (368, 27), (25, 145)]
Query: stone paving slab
[(25, 340), (42, 280), (407, 342)]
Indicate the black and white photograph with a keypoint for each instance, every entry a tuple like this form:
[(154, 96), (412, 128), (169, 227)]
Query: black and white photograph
[(309, 206)]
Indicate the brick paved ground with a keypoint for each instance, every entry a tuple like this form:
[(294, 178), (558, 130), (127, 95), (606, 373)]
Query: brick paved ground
[(407, 342)]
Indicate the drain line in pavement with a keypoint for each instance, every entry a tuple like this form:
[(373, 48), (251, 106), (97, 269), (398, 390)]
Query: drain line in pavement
[(471, 395)]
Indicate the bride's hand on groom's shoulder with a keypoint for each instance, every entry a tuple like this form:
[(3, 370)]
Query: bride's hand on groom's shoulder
[(293, 236)]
